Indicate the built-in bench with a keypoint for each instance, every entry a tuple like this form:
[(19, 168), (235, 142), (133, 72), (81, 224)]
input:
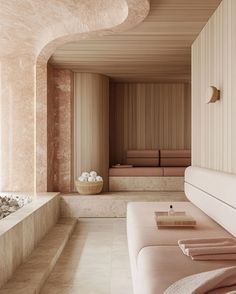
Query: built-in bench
[(151, 170), (156, 260)]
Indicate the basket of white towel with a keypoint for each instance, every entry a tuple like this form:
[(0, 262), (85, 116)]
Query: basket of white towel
[(89, 183)]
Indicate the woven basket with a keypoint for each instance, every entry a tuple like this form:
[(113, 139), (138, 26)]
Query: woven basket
[(89, 188)]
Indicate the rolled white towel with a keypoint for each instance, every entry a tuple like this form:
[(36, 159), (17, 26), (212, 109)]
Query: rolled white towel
[(99, 179), (93, 174), (85, 174), (83, 179), (91, 179)]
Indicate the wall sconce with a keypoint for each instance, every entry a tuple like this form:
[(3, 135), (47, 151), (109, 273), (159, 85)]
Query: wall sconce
[(212, 94)]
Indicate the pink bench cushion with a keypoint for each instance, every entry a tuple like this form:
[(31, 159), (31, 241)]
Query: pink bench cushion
[(143, 232), (136, 172), (142, 153), (154, 253), (173, 171), (175, 158), (156, 266), (145, 161)]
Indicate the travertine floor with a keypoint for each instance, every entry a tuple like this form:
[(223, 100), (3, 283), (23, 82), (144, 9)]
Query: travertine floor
[(95, 260)]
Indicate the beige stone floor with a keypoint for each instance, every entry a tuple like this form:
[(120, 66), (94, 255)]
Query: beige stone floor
[(95, 260)]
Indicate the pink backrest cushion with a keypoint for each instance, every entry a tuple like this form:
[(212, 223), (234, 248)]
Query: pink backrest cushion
[(143, 161), (142, 158), (169, 158), (175, 153), (142, 153)]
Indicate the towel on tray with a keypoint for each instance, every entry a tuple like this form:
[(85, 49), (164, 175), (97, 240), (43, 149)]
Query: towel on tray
[(209, 249), (206, 282)]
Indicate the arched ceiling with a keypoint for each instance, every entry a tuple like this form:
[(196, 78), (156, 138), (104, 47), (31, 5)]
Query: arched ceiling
[(27, 26), (156, 50)]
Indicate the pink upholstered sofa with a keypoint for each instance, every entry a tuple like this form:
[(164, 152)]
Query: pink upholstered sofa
[(156, 260)]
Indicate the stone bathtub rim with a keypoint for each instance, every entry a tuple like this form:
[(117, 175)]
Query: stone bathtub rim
[(18, 216)]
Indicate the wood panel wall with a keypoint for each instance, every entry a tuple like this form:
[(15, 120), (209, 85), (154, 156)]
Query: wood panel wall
[(148, 116), (214, 64), (91, 128)]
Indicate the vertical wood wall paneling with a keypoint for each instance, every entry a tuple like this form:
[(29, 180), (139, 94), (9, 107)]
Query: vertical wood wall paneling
[(213, 64), (148, 116), (91, 128)]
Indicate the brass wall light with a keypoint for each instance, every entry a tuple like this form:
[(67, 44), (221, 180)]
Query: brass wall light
[(212, 94)]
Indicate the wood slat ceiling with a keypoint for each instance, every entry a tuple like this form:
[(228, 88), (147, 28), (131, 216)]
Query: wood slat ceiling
[(157, 50)]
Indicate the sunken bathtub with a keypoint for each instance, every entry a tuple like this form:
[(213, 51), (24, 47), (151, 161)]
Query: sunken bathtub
[(21, 228)]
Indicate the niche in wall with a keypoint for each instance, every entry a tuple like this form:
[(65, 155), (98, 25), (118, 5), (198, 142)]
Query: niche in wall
[(149, 116)]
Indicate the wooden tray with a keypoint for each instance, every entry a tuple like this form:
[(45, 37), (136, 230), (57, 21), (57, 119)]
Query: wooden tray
[(178, 219), (122, 165)]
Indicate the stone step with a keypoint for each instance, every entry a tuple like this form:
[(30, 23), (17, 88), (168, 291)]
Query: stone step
[(32, 274), (110, 204)]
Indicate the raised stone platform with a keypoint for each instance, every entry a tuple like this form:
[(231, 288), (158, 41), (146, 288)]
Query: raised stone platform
[(111, 204), (146, 184)]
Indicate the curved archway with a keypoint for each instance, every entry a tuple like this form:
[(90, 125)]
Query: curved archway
[(34, 35), (105, 17)]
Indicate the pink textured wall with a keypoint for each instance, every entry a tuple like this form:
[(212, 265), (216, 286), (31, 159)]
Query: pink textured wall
[(60, 129), (25, 48)]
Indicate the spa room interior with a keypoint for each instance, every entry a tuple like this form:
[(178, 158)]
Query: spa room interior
[(118, 147)]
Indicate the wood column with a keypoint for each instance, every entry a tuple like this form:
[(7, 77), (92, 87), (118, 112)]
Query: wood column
[(91, 128)]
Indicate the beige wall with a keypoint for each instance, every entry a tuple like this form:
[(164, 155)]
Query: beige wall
[(214, 63), (148, 116), (59, 129), (91, 128)]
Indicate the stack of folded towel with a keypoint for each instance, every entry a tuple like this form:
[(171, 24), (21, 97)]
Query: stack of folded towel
[(209, 249)]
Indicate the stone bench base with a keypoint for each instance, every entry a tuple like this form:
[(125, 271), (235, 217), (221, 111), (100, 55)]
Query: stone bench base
[(146, 184)]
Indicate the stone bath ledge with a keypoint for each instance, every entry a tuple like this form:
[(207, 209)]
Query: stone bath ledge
[(21, 231), (16, 217)]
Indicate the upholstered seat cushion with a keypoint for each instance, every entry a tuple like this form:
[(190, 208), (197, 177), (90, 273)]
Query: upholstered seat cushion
[(156, 260), (143, 232), (173, 171), (136, 172), (161, 266)]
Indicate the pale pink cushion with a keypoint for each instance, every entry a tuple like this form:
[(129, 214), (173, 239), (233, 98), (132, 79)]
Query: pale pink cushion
[(176, 161), (154, 253), (142, 231), (182, 153), (136, 172), (142, 153), (161, 266), (175, 158), (173, 171), (146, 161)]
